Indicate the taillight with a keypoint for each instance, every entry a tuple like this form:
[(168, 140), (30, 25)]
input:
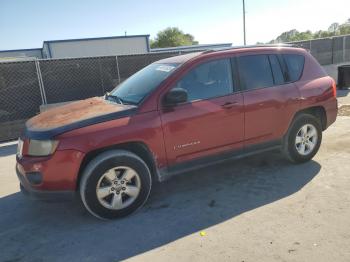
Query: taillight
[(334, 87)]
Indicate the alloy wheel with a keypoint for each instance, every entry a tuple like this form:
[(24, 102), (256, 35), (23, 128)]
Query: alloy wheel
[(306, 139), (118, 188)]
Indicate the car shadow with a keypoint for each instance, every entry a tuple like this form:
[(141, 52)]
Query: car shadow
[(35, 231)]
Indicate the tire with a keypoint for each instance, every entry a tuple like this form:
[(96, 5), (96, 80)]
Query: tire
[(292, 149), (132, 175)]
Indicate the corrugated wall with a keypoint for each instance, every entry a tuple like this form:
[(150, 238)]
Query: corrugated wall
[(99, 47)]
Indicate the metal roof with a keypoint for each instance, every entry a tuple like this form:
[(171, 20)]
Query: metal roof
[(94, 38), (19, 50)]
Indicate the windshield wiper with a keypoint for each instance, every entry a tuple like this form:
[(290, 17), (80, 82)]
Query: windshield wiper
[(119, 100), (114, 97)]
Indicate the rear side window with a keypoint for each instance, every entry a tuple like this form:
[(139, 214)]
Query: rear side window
[(255, 71), (295, 66), (276, 70)]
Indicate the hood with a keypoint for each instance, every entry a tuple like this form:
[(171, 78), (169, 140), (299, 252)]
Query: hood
[(75, 115)]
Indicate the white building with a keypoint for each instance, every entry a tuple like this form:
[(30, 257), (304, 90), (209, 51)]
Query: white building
[(102, 46), (83, 47)]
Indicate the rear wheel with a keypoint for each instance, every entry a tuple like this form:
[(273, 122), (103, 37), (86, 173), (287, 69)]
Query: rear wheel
[(115, 184), (303, 138)]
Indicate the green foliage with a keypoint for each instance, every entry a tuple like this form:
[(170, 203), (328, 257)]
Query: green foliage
[(344, 29), (333, 30), (172, 36)]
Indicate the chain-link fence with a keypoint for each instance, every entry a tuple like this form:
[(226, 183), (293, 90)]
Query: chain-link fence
[(25, 85), (78, 78), (327, 51), (20, 96)]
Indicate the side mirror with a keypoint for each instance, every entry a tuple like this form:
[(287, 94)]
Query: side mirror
[(175, 96)]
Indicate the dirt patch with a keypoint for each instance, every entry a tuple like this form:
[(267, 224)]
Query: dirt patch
[(344, 110), (73, 112)]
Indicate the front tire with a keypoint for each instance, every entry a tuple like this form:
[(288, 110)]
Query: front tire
[(115, 184), (303, 139)]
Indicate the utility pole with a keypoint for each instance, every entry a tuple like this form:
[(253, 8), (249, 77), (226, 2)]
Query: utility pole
[(244, 23)]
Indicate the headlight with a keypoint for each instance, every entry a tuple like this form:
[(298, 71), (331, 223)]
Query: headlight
[(42, 147)]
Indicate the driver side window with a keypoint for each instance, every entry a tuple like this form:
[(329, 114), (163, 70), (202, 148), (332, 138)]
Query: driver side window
[(208, 80)]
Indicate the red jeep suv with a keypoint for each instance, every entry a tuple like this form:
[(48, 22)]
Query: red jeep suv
[(175, 115)]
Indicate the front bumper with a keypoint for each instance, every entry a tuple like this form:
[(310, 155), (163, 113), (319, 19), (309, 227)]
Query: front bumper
[(28, 190), (50, 177)]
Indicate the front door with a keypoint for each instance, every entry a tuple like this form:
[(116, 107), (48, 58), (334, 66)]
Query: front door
[(212, 121)]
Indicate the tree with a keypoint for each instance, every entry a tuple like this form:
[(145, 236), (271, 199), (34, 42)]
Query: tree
[(322, 34), (287, 36), (172, 36), (333, 28), (294, 35), (344, 29)]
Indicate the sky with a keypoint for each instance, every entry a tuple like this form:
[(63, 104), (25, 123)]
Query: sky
[(27, 23)]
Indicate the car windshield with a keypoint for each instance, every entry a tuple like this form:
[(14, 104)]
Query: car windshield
[(139, 85)]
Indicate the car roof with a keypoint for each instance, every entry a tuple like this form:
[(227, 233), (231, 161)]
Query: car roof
[(181, 59)]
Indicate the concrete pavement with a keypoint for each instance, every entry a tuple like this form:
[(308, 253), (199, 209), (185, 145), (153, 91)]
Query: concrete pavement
[(258, 209)]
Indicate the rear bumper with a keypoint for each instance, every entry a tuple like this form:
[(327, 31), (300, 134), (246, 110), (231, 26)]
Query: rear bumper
[(332, 111), (31, 192)]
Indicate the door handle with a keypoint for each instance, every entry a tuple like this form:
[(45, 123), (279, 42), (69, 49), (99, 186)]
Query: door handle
[(229, 105)]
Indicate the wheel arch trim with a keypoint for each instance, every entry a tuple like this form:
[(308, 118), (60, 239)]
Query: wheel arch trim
[(138, 148)]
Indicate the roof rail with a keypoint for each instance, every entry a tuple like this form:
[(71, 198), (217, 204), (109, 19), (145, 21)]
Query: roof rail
[(249, 46)]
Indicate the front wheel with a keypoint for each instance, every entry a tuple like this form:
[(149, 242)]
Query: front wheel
[(115, 184), (303, 138)]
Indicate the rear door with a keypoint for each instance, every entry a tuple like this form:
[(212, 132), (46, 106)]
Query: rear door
[(212, 121), (270, 101)]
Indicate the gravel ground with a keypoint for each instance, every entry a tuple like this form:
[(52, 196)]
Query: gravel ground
[(344, 110), (258, 209)]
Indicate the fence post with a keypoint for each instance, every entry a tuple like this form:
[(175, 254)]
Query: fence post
[(332, 50), (344, 48), (310, 46), (116, 59), (40, 81), (101, 75)]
